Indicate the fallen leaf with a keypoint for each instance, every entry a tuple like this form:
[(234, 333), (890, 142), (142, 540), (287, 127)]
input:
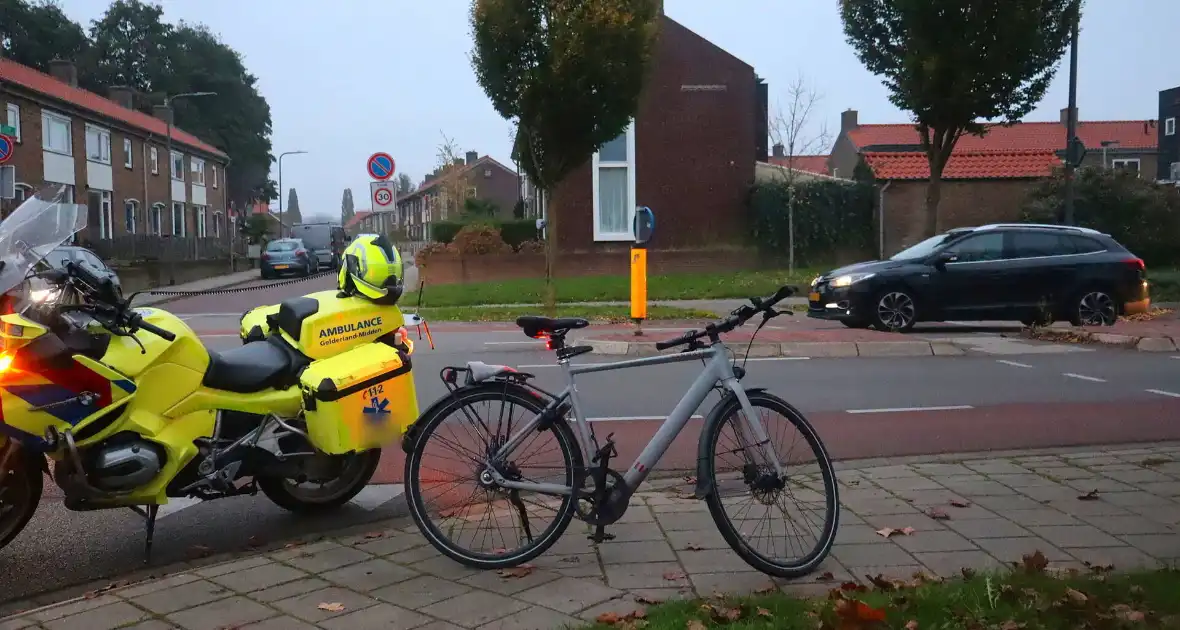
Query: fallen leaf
[(886, 532), (523, 570), (1034, 562), (374, 535), (90, 594), (762, 612), (765, 590), (937, 514), (959, 504), (331, 607), (1089, 496), (650, 601), (571, 559), (693, 547), (826, 576), (292, 545), (726, 613), (690, 480), (853, 587), (1100, 569), (855, 613), (673, 575), (911, 625), (881, 582), (908, 531), (1011, 625), (694, 624), (1131, 615), (1076, 596), (608, 618), (967, 572), (199, 551)]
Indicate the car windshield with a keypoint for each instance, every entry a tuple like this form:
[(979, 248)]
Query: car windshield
[(282, 246), (42, 223), (925, 248)]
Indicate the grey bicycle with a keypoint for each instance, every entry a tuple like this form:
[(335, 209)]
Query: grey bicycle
[(487, 445)]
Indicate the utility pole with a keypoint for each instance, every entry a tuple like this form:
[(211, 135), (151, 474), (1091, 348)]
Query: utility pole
[(168, 100), (1071, 126)]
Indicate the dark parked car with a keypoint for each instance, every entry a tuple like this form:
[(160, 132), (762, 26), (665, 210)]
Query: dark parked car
[(287, 255), (1024, 272), (59, 256)]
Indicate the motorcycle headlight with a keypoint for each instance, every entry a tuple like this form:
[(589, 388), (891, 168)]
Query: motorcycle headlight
[(850, 279), (41, 295)]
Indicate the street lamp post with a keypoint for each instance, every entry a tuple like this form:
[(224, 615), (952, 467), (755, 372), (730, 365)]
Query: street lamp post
[(168, 100), (1071, 126), (281, 155)]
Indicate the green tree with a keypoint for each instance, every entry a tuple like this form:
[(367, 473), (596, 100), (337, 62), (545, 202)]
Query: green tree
[(405, 185), (291, 214), (257, 228), (476, 209), (347, 210), (568, 74), (35, 33), (131, 45), (954, 64)]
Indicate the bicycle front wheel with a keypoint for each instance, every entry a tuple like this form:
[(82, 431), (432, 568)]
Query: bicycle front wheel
[(481, 524), (783, 531)]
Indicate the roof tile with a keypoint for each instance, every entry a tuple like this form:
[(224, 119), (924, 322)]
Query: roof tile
[(965, 165), (1130, 134)]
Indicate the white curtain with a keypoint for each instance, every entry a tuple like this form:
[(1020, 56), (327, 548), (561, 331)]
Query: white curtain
[(612, 200)]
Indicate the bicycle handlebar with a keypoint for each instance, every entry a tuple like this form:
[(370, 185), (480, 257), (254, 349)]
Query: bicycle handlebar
[(735, 320)]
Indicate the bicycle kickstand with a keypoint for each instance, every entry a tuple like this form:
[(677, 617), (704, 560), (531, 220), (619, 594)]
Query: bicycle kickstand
[(602, 458)]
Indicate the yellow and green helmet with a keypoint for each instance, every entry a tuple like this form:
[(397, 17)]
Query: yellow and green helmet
[(372, 268)]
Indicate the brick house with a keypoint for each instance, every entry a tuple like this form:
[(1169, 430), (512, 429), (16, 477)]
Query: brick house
[(689, 154), (986, 179), (442, 194), (111, 157), (1168, 166)]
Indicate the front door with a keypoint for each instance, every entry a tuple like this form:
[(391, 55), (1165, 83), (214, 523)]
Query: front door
[(972, 283)]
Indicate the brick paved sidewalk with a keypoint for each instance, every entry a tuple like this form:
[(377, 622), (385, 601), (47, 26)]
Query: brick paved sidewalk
[(1009, 504)]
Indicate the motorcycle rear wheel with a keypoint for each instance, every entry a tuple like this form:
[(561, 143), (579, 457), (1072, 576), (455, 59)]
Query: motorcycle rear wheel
[(356, 471), (19, 496)]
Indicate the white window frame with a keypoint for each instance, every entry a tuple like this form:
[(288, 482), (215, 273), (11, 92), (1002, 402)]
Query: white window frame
[(1115, 163), (218, 217), (13, 118), (1170, 126), (629, 164), (155, 158), (178, 212), (134, 206), (177, 174), (106, 215), (199, 214), (23, 191), (197, 166), (213, 172), (156, 219), (128, 162), (102, 148), (48, 119)]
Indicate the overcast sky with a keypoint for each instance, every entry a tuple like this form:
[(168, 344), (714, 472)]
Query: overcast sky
[(347, 78)]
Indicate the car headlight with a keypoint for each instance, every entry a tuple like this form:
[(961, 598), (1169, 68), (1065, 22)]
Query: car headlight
[(815, 281), (850, 279)]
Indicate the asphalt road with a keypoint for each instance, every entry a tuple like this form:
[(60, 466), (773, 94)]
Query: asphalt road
[(861, 407)]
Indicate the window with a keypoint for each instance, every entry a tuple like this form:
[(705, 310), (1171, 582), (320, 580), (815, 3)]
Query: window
[(127, 152), (1038, 244), (14, 119), (1085, 245), (213, 174), (178, 166), (198, 168), (22, 192), (55, 134), (155, 159), (199, 211), (614, 188), (100, 201), (155, 219), (1130, 164), (218, 218), (92, 261), (978, 248), (177, 219), (98, 144), (1169, 125), (129, 212)]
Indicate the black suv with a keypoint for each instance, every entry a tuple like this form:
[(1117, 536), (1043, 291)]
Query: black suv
[(1024, 272)]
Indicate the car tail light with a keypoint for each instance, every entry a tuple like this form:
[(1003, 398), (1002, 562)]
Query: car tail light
[(1137, 262), (301, 252)]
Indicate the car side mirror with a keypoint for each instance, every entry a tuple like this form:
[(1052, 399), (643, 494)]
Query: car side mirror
[(940, 260)]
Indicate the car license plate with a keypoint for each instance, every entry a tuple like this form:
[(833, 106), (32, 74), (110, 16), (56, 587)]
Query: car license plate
[(814, 296), (280, 266)]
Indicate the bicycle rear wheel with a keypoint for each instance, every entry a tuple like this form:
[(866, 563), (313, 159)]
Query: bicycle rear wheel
[(745, 499), (444, 490)]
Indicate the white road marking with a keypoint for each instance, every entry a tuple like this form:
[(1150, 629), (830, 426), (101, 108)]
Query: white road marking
[(514, 343), (905, 409), (1083, 377), (553, 365), (1164, 393), (1176, 357), (369, 498), (1013, 363)]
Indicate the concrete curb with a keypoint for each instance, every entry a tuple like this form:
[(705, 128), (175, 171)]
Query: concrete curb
[(1131, 342), (795, 349)]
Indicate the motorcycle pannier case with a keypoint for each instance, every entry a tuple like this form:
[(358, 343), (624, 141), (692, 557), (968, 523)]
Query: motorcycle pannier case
[(360, 399)]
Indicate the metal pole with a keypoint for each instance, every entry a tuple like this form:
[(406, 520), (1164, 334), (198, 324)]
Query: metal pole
[(281, 194), (1071, 126), (171, 203)]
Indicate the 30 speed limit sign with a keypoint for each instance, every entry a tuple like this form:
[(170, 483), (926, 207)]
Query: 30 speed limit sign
[(383, 193)]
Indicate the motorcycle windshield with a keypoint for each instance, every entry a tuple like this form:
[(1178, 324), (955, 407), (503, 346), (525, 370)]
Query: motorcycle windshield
[(43, 222)]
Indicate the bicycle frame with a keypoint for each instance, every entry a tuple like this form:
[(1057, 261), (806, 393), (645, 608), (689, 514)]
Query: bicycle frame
[(718, 369)]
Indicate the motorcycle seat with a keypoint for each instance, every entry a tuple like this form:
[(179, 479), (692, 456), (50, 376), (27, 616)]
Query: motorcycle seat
[(254, 367)]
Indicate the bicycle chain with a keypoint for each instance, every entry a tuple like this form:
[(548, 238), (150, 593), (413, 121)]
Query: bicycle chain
[(232, 289)]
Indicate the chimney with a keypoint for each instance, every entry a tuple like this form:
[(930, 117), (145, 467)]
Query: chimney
[(161, 112), (64, 71), (1065, 116), (122, 95), (779, 150), (848, 120), (472, 156)]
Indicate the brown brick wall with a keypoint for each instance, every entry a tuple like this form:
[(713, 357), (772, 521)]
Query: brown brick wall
[(694, 150), (500, 187), (453, 269), (964, 203)]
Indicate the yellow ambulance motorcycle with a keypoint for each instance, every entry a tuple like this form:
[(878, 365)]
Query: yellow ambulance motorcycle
[(133, 410)]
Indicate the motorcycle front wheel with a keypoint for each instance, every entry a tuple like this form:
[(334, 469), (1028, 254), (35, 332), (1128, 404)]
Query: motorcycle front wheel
[(333, 481), (20, 492)]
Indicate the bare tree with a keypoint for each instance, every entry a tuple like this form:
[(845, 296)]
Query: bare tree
[(791, 127), (453, 189)]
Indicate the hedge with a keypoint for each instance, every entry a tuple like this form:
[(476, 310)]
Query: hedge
[(514, 232), (830, 217)]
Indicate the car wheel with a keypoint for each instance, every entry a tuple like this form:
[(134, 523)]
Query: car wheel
[(1093, 307), (894, 311)]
